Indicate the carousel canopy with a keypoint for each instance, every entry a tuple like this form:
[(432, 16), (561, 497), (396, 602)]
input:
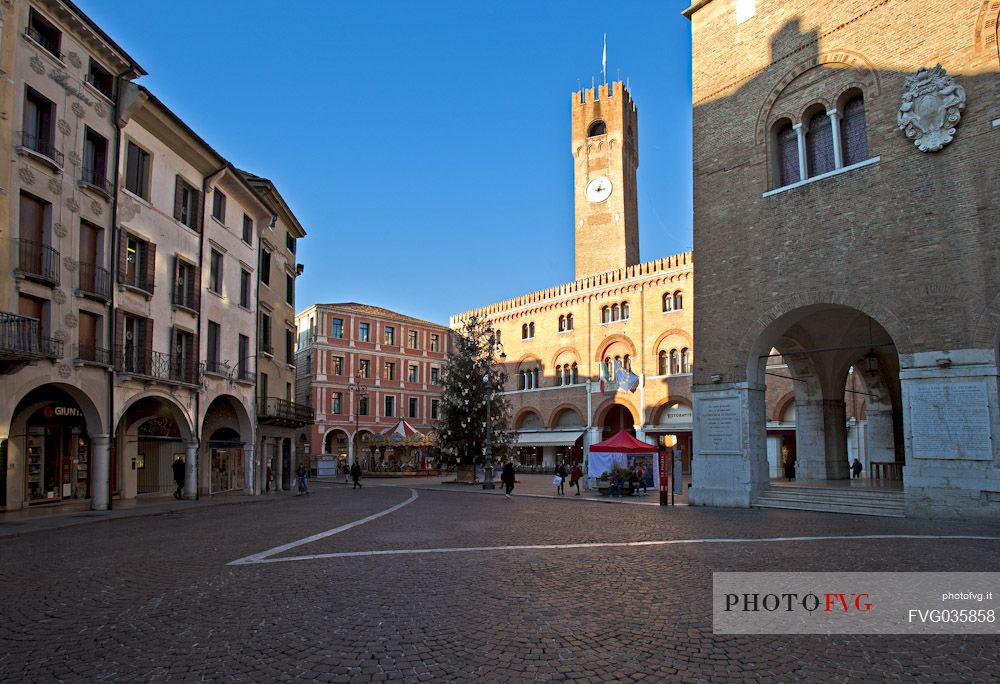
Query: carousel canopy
[(404, 434), (624, 443)]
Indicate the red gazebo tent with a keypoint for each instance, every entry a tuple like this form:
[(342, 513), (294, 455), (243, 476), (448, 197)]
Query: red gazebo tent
[(621, 450)]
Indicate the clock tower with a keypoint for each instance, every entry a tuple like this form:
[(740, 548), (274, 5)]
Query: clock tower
[(605, 159)]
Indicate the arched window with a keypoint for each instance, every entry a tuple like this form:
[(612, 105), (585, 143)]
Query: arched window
[(606, 314), (597, 128), (675, 362), (562, 323), (661, 363), (668, 302), (531, 329), (625, 311), (615, 312), (853, 134), (569, 321), (819, 145), (521, 381), (786, 152), (573, 376), (627, 363), (685, 360), (559, 375), (534, 378), (678, 301), (524, 331), (607, 368)]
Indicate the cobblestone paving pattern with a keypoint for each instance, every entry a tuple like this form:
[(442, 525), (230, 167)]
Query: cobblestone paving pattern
[(154, 599)]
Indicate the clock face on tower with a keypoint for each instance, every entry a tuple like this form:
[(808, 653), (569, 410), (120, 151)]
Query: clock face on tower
[(598, 189)]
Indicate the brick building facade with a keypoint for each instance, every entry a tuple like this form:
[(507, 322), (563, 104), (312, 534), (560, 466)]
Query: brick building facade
[(362, 368), (823, 231)]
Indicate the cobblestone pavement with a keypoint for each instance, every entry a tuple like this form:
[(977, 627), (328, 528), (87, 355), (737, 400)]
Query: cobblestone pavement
[(155, 598)]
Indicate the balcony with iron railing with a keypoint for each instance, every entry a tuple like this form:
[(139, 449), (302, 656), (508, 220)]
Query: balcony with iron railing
[(216, 367), (96, 180), (86, 353), (20, 340), (275, 411), (41, 146), (37, 37), (37, 261), (265, 348), (157, 366), (95, 282), (245, 374)]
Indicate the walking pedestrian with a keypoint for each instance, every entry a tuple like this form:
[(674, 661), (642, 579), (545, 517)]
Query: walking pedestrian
[(507, 477), (178, 467), (856, 468), (640, 476), (560, 479), (356, 475), (574, 478), (302, 475)]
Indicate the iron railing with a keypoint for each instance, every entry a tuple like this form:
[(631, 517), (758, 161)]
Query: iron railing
[(266, 348), (38, 260), (156, 365), (274, 409), (41, 145), (245, 374), (19, 338), (95, 280), (93, 354), (103, 88), (216, 367), (96, 179), (44, 42)]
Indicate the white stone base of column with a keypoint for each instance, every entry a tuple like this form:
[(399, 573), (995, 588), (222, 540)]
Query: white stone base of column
[(729, 463), (950, 415)]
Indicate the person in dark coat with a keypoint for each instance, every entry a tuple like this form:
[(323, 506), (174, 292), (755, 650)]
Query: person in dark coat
[(178, 468), (856, 467), (507, 477), (356, 475)]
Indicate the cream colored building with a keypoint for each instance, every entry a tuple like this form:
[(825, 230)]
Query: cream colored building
[(279, 416), (186, 308), (56, 251)]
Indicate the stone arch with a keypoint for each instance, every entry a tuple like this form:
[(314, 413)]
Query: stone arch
[(571, 351), (685, 335), (239, 410), (559, 410), (803, 301), (21, 412), (782, 405), (527, 358), (811, 108), (602, 409), (328, 438), (606, 343), (853, 59), (176, 410), (524, 414), (663, 404)]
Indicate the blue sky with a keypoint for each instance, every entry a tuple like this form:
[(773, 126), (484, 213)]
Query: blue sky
[(423, 145)]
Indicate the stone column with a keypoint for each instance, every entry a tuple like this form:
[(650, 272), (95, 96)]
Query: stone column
[(277, 465), (251, 465), (191, 470), (729, 463), (881, 440), (838, 152), (100, 471), (800, 133), (810, 440), (835, 439)]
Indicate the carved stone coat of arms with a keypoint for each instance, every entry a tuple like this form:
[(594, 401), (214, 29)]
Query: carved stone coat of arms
[(932, 106)]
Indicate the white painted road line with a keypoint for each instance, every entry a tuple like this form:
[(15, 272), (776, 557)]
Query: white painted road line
[(264, 557)]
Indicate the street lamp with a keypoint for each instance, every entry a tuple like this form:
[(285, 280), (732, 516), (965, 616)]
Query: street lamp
[(493, 344), (357, 390)]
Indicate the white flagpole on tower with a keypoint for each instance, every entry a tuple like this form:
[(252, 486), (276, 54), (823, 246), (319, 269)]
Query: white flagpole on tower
[(604, 60)]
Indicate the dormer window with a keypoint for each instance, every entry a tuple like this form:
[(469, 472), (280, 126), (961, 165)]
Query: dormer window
[(597, 128)]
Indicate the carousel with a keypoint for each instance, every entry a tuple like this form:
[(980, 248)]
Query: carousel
[(401, 450)]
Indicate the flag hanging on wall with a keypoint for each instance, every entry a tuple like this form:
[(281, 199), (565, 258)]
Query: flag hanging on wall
[(626, 379)]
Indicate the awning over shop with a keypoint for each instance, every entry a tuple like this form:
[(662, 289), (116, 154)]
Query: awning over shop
[(544, 438)]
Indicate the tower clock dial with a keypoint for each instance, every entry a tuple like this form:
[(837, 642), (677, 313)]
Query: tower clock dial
[(598, 189)]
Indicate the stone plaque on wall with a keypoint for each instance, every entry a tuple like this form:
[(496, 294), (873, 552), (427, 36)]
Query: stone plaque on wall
[(718, 421), (950, 420)]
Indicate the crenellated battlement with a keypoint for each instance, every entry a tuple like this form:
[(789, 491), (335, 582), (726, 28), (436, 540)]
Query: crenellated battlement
[(684, 260), (606, 91)]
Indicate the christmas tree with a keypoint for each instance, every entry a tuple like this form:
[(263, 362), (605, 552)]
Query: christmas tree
[(473, 380)]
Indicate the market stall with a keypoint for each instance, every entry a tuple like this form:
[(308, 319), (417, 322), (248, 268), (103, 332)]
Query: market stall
[(625, 452)]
